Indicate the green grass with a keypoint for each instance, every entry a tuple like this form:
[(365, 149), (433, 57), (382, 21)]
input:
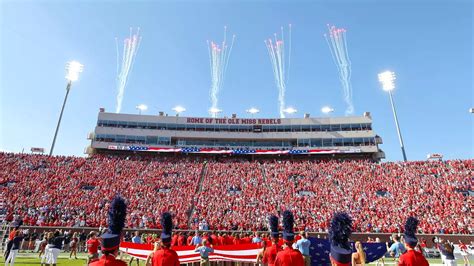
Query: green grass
[(27, 259)]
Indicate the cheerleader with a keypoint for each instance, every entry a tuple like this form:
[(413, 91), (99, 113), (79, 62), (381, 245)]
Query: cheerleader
[(464, 253), (73, 245), (47, 250)]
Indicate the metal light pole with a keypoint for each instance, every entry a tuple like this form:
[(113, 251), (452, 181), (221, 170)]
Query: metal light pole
[(290, 110), (253, 111), (327, 110), (387, 79), (73, 69), (141, 108), (178, 109), (214, 111)]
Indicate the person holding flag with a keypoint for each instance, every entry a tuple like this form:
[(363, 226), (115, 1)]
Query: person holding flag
[(204, 252), (111, 239), (303, 246), (289, 256)]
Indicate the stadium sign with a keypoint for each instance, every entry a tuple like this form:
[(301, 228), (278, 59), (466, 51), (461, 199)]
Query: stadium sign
[(233, 121), (434, 156), (38, 150)]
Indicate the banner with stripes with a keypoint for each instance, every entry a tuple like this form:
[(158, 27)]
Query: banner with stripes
[(245, 252), (232, 151), (319, 252)]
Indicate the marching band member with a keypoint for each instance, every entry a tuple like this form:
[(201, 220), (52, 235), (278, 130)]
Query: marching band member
[(289, 256), (111, 239), (340, 230), (270, 254), (164, 256), (411, 257)]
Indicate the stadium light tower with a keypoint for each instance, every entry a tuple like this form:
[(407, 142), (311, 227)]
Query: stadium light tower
[(253, 111), (290, 110), (141, 108), (327, 110), (73, 69), (387, 79), (179, 109), (214, 111)]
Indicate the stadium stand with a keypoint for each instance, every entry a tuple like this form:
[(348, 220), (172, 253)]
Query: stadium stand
[(236, 194)]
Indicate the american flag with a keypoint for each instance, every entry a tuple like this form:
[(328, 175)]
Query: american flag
[(190, 150), (230, 151), (320, 249), (245, 252)]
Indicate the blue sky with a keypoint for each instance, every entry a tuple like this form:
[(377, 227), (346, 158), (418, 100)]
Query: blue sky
[(427, 43)]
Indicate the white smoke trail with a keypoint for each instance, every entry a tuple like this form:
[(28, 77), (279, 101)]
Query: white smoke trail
[(218, 63), (338, 46), (280, 66), (130, 49)]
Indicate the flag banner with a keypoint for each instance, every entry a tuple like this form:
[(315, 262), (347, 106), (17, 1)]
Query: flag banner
[(232, 151), (320, 249), (245, 252)]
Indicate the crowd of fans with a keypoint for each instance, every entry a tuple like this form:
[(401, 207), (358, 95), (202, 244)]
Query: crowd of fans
[(238, 195), (70, 191)]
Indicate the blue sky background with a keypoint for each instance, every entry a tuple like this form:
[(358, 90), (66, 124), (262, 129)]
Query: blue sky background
[(427, 43)]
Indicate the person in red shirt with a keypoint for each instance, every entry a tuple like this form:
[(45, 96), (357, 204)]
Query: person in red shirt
[(190, 239), (92, 247), (174, 240), (111, 239), (270, 254), (214, 239), (411, 257), (220, 239), (164, 256), (340, 230), (289, 256), (181, 240)]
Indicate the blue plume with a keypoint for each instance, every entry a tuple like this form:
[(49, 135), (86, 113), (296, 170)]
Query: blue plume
[(340, 230), (410, 226), (166, 223), (117, 215), (273, 221), (288, 221)]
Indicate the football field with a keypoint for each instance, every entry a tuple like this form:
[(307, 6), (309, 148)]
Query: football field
[(27, 259)]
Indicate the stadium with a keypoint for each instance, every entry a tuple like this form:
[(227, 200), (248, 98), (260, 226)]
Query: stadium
[(228, 174), (329, 184), (344, 137)]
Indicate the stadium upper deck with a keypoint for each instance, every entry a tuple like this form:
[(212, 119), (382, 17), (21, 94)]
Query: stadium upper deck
[(339, 136)]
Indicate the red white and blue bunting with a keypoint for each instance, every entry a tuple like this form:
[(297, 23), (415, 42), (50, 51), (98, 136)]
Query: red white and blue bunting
[(231, 151)]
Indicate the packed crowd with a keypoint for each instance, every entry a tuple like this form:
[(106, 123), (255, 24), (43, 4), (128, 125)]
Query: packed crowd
[(378, 196), (70, 191)]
